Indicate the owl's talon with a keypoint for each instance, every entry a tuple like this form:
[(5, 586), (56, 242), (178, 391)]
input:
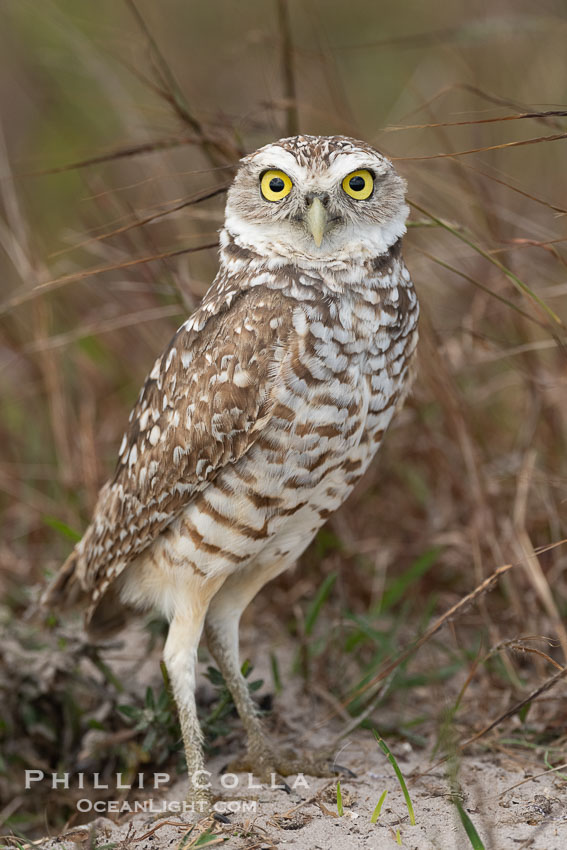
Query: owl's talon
[(200, 802), (344, 771), (270, 765)]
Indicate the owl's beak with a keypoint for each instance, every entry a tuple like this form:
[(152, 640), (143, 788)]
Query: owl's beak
[(316, 220)]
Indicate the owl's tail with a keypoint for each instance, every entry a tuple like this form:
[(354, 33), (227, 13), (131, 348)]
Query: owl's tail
[(64, 590), (102, 619)]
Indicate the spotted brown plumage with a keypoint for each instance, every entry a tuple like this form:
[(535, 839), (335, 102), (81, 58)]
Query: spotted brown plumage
[(261, 414), (183, 431)]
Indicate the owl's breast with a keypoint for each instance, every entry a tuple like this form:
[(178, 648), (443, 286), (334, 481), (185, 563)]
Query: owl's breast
[(348, 367), (334, 384)]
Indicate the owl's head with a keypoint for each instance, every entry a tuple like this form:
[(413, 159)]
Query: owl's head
[(316, 200)]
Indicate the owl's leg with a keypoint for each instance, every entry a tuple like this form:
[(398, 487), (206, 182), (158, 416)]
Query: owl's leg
[(221, 629), (180, 656)]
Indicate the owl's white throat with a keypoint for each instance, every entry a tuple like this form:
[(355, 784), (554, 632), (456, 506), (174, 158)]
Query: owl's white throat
[(284, 242)]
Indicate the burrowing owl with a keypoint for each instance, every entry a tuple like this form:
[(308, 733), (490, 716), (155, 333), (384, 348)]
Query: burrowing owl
[(260, 415)]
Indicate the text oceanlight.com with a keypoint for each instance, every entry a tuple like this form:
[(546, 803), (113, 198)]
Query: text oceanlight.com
[(160, 807)]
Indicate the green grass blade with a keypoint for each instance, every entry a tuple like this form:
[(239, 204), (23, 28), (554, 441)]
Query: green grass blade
[(550, 766), (379, 804), (106, 672), (62, 527), (318, 602), (206, 838), (469, 827), (340, 808), (276, 678), (185, 838), (396, 589), (390, 756)]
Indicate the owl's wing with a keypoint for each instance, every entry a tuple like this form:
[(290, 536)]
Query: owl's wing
[(202, 407)]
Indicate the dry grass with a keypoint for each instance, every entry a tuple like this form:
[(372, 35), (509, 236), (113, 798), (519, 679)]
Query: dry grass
[(122, 128)]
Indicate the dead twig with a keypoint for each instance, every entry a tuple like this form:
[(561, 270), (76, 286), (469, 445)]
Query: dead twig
[(449, 615), (57, 283), (502, 146), (288, 75), (547, 685)]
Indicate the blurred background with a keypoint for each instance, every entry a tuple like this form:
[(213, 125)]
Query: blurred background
[(121, 123)]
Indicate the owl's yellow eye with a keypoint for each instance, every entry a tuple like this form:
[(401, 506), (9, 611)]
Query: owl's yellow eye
[(359, 184), (275, 185)]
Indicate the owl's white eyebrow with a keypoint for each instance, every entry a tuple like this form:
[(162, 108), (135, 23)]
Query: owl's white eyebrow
[(345, 163)]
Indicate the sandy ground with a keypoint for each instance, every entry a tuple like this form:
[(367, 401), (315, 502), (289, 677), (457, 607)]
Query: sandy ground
[(533, 815)]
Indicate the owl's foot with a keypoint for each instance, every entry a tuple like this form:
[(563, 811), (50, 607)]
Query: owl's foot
[(269, 764), (199, 800)]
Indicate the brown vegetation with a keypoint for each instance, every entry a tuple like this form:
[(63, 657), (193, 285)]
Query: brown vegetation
[(121, 129)]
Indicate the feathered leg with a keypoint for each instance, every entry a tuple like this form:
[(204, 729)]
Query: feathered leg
[(221, 630), (180, 656)]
